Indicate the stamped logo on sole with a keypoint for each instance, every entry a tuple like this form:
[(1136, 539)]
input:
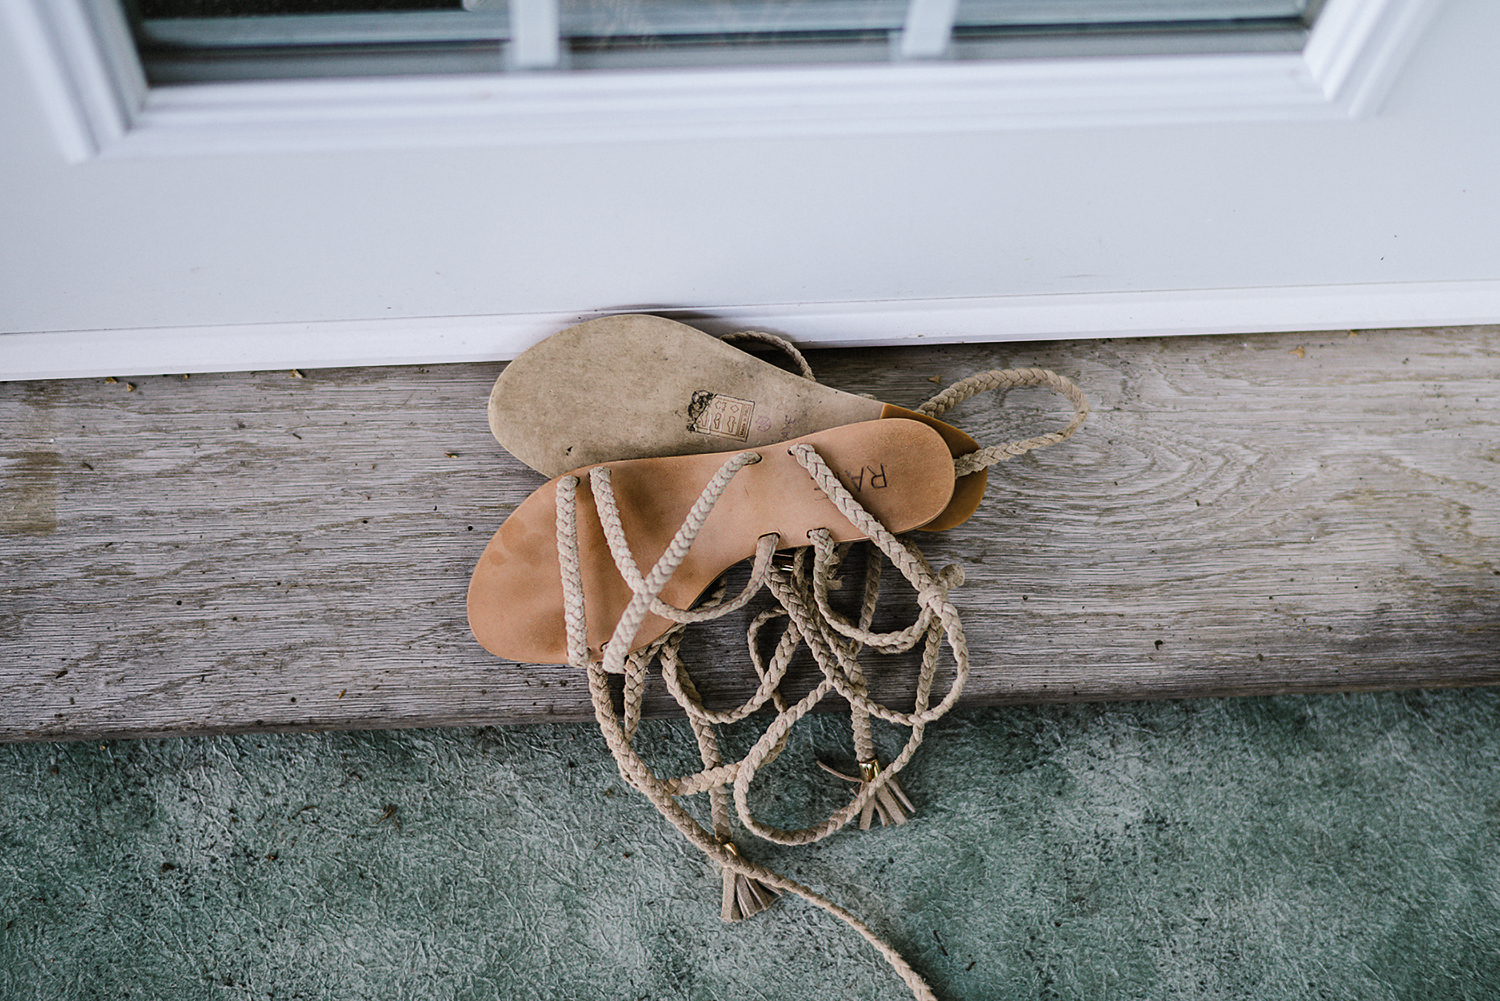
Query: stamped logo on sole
[(719, 415)]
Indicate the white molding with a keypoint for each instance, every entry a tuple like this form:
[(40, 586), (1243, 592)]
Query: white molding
[(1356, 49), (432, 340), (86, 74), (78, 57)]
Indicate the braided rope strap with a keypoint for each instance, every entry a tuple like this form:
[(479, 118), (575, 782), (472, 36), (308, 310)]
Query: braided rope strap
[(834, 641), (827, 638), (748, 887), (890, 802), (998, 379), (781, 344), (1002, 379)]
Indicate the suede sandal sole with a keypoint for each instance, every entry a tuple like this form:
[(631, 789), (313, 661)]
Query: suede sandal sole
[(900, 471), (637, 386)]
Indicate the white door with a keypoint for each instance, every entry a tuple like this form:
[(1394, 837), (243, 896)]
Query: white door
[(1355, 182)]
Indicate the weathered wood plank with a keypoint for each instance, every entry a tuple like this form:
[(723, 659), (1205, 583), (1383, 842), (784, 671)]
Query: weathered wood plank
[(1241, 515)]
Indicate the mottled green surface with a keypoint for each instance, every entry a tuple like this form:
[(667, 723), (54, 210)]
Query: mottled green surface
[(1295, 847)]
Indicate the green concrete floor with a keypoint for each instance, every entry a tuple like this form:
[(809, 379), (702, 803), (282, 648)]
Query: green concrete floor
[(1272, 848)]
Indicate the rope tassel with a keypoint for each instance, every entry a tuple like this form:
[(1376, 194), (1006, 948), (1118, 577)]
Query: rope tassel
[(744, 897), (889, 802)]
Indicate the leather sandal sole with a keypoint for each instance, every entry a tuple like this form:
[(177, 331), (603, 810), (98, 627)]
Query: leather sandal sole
[(637, 386), (900, 471)]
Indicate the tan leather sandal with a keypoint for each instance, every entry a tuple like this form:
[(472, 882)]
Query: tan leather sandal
[(668, 527), (636, 386)]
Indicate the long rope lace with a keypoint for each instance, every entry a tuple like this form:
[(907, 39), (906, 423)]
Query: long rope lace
[(799, 582)]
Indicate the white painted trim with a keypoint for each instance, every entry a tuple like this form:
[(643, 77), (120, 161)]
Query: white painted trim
[(86, 74), (535, 43), (76, 57), (928, 28), (431, 340), (1356, 49)]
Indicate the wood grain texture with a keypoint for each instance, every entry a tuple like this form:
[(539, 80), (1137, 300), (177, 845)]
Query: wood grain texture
[(1276, 513)]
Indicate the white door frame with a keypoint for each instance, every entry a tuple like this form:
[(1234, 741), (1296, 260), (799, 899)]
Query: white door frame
[(92, 93), (81, 58)]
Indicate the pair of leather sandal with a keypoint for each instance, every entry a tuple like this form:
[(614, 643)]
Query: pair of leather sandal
[(675, 456), (658, 403)]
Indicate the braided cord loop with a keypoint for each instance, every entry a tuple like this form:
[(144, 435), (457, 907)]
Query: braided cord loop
[(1002, 379), (781, 344)]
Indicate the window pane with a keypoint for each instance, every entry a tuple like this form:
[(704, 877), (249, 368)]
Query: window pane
[(195, 40), (243, 8)]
